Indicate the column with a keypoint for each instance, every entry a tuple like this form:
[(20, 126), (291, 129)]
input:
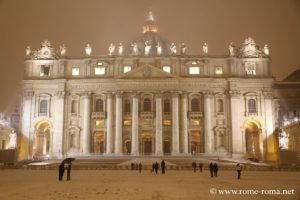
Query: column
[(58, 134), (269, 121), (109, 123), (184, 122), (119, 112), (236, 135), (158, 122), (25, 125), (135, 125), (208, 134), (175, 124), (85, 139)]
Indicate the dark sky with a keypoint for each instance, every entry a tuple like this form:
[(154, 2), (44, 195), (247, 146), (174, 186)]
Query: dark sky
[(100, 22)]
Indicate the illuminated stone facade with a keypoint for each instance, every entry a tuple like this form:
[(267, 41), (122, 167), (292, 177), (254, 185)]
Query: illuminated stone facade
[(148, 98)]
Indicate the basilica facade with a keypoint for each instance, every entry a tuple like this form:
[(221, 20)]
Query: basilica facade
[(148, 98)]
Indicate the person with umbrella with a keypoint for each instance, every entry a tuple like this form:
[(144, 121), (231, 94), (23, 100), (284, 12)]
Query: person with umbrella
[(62, 168)]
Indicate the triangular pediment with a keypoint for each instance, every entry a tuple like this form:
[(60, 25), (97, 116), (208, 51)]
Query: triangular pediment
[(147, 71)]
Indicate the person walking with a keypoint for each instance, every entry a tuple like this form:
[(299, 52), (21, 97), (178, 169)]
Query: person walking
[(200, 166), (211, 170), (140, 167), (239, 170), (163, 167), (153, 167), (194, 165), (156, 167), (61, 170), (215, 169), (69, 171)]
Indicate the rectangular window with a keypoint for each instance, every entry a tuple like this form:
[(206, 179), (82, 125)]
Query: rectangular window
[(167, 122), (127, 122), (99, 122), (195, 122), (99, 70), (250, 68), (75, 71), (219, 70), (194, 70), (126, 69), (167, 69), (45, 70)]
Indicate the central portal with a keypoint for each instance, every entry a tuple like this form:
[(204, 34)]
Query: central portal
[(98, 143), (147, 143)]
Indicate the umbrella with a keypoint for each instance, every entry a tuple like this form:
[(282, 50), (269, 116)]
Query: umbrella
[(68, 160)]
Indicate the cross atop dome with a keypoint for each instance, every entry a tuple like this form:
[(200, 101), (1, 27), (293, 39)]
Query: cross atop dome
[(150, 25)]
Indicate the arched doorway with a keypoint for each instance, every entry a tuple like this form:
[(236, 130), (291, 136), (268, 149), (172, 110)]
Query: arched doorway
[(253, 138), (41, 141), (98, 143), (195, 142)]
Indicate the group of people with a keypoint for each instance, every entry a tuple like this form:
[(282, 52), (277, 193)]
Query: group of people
[(62, 168), (213, 169), (155, 167), (194, 165)]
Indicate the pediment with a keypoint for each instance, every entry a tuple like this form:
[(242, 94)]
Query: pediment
[(147, 71)]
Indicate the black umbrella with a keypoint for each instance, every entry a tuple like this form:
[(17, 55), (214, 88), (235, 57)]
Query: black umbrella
[(68, 160)]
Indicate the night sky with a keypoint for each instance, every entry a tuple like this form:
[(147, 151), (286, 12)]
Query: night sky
[(100, 22)]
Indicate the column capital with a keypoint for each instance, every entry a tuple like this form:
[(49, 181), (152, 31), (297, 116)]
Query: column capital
[(28, 94), (86, 95), (267, 94), (207, 93), (135, 94), (119, 94), (234, 93), (60, 94), (175, 93)]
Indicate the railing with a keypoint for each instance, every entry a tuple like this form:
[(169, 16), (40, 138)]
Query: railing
[(98, 115), (147, 115), (195, 115)]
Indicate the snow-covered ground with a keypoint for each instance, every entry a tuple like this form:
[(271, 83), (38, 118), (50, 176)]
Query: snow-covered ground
[(127, 184)]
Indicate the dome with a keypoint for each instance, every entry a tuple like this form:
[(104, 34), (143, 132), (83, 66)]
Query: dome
[(150, 43)]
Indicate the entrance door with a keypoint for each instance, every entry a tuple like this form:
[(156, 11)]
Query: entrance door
[(253, 141), (98, 142), (147, 147), (195, 142), (167, 147), (41, 139), (128, 147)]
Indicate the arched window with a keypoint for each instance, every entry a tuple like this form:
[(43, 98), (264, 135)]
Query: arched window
[(127, 106), (74, 107), (251, 106), (195, 105), (43, 106), (147, 105), (220, 107), (167, 107), (99, 106)]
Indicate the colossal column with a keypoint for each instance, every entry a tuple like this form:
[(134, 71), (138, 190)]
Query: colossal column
[(57, 143), (158, 122), (175, 124), (236, 135), (135, 125), (209, 140), (269, 121), (184, 121), (25, 125), (118, 138), (85, 139), (109, 123)]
